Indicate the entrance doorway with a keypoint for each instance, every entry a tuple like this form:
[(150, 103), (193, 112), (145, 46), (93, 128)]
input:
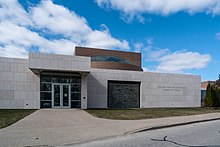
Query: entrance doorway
[(60, 90), (61, 95)]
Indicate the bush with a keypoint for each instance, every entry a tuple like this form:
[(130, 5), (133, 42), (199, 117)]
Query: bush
[(215, 98), (208, 97), (218, 95)]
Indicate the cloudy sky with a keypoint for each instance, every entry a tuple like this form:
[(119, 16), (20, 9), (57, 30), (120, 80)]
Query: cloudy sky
[(174, 36)]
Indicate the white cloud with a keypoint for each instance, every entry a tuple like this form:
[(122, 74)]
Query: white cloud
[(61, 46), (180, 61), (132, 9), (217, 36), (23, 30), (100, 39), (11, 33), (13, 51), (171, 62), (145, 69), (150, 41), (59, 19), (12, 11), (104, 28), (138, 46), (155, 54), (22, 39), (150, 53)]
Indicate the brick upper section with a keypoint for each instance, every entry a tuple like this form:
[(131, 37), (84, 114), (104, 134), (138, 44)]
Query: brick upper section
[(89, 52), (206, 83), (130, 56)]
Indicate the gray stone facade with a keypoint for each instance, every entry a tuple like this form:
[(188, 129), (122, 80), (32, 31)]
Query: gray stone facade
[(20, 83), (20, 78), (19, 86), (38, 61), (156, 89)]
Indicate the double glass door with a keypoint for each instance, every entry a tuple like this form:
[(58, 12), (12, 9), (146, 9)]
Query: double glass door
[(61, 95)]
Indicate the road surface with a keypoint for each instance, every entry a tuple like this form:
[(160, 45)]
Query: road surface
[(194, 135)]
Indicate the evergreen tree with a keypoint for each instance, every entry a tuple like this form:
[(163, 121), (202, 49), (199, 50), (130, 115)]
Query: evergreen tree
[(208, 97), (218, 95), (215, 99), (217, 83)]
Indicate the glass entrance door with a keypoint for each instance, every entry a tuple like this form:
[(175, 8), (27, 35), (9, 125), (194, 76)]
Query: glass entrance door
[(61, 95), (66, 95), (56, 95)]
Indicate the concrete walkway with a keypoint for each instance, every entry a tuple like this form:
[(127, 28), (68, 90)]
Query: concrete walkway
[(54, 127)]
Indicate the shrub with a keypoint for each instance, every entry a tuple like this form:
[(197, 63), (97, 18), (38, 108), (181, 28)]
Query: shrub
[(208, 97), (218, 95), (215, 98)]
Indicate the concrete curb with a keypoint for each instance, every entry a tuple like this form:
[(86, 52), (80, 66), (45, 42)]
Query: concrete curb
[(82, 142), (169, 126), (139, 130)]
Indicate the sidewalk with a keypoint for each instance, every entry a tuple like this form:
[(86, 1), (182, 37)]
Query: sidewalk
[(62, 127)]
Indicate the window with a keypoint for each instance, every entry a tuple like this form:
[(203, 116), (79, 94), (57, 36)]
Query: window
[(203, 94), (46, 82), (110, 59)]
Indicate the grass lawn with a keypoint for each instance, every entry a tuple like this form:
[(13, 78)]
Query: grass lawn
[(10, 116), (145, 113)]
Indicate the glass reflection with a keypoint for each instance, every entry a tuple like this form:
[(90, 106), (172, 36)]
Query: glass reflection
[(46, 82)]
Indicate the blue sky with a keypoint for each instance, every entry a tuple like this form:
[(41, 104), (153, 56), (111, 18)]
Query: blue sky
[(173, 36)]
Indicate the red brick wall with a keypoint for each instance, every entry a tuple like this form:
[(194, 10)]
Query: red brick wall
[(130, 56)]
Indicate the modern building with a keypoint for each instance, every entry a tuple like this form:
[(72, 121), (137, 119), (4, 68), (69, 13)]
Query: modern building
[(92, 78), (204, 84)]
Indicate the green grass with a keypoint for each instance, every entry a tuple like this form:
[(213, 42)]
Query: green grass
[(10, 116), (146, 113)]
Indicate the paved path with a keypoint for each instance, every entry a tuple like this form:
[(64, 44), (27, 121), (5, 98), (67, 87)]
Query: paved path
[(67, 126)]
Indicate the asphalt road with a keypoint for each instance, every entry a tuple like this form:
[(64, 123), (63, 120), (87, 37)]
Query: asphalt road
[(194, 135)]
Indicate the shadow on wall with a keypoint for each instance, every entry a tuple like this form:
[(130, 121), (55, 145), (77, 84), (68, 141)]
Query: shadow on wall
[(97, 92)]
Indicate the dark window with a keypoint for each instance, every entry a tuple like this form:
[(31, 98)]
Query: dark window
[(75, 80), (75, 87), (75, 104), (110, 59), (64, 79), (46, 82), (45, 104), (203, 94), (46, 96), (45, 86), (45, 78), (56, 79), (46, 91), (75, 96)]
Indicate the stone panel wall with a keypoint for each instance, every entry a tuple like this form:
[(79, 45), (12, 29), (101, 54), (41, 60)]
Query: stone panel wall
[(170, 90), (157, 89), (54, 62), (19, 86)]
